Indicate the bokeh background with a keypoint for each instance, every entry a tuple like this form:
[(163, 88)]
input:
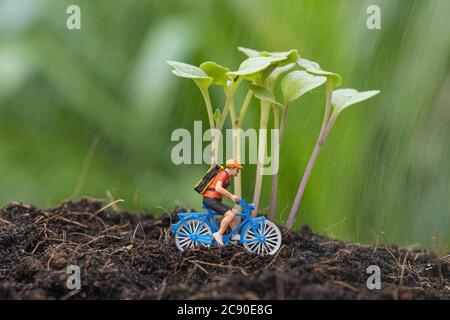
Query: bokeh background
[(91, 111)]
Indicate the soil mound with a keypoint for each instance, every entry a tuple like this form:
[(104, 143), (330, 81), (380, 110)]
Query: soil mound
[(133, 256)]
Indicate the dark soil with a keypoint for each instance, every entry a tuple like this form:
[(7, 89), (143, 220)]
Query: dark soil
[(131, 256)]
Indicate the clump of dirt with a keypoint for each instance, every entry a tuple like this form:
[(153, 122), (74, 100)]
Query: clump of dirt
[(133, 256)]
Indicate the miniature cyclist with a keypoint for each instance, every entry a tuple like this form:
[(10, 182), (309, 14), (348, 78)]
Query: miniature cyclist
[(212, 198)]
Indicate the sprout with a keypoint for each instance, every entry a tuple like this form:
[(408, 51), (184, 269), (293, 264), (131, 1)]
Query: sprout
[(314, 68), (185, 70), (340, 100), (253, 68), (294, 85), (268, 66), (262, 69), (264, 94), (249, 52), (297, 83), (344, 98), (209, 73), (217, 72)]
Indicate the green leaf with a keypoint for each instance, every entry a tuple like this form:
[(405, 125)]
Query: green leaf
[(291, 56), (217, 116), (297, 83), (280, 70), (309, 65), (271, 80), (254, 65), (264, 94), (217, 72), (278, 60), (249, 52), (314, 68), (343, 98), (189, 71), (252, 68), (272, 74)]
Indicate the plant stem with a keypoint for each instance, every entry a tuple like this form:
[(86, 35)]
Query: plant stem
[(330, 124), (262, 139), (320, 141), (245, 104), (273, 198), (207, 98), (236, 146), (237, 156), (236, 128), (283, 121), (214, 138), (273, 194), (228, 102)]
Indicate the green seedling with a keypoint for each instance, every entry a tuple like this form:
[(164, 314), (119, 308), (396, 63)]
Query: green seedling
[(262, 69), (339, 100), (220, 76), (333, 80), (264, 83), (251, 69), (209, 73), (294, 85)]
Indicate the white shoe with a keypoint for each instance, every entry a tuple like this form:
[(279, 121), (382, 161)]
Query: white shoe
[(218, 238), (236, 237)]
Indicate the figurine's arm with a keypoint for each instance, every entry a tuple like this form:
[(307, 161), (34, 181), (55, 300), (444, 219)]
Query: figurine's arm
[(220, 189)]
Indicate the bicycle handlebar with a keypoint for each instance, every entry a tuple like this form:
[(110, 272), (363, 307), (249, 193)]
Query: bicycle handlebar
[(244, 206)]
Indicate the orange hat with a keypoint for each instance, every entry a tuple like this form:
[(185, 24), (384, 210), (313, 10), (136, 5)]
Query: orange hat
[(233, 163)]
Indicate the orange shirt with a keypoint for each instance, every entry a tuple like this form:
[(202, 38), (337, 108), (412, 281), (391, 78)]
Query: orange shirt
[(221, 176)]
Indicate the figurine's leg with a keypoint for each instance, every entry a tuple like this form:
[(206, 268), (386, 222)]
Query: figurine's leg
[(234, 224), (227, 220)]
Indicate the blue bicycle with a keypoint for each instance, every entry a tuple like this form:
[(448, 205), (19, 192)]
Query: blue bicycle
[(258, 235)]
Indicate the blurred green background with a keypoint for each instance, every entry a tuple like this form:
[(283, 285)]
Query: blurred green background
[(107, 88)]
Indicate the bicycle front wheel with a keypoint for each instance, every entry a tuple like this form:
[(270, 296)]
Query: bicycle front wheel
[(265, 240)]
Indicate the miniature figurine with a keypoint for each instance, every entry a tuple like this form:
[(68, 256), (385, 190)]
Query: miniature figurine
[(212, 198), (257, 234)]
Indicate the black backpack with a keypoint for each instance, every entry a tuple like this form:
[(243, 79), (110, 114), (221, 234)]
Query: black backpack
[(204, 182)]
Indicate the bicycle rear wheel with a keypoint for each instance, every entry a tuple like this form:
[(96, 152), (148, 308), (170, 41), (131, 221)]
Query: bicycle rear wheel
[(193, 233)]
